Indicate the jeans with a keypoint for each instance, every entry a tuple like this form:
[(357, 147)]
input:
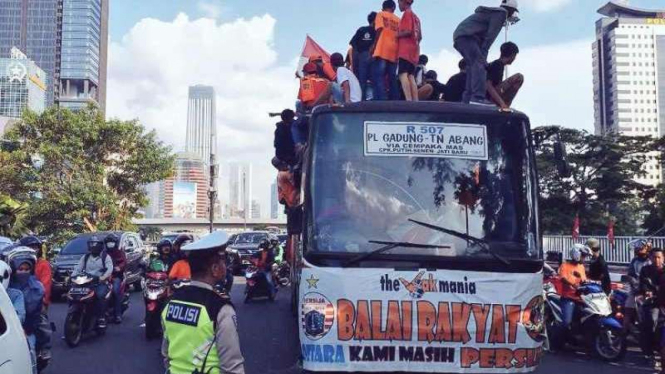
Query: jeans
[(337, 93), (117, 297), (362, 65), (476, 75), (568, 310), (271, 284), (100, 300), (648, 328), (385, 69)]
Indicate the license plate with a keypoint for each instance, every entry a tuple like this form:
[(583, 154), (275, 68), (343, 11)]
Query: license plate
[(79, 291), (245, 262)]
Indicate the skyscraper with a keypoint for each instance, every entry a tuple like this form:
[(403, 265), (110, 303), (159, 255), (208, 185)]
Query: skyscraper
[(61, 36), (256, 210), (201, 127), (185, 194), (240, 190), (629, 76), (276, 209)]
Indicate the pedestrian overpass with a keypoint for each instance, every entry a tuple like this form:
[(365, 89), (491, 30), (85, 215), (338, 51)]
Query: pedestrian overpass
[(201, 225)]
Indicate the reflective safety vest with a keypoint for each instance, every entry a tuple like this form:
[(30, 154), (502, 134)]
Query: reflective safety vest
[(190, 322)]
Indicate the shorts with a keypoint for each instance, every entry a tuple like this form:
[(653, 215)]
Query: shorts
[(405, 67)]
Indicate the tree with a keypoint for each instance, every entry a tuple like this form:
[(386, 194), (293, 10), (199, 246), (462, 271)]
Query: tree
[(12, 217), (601, 185), (91, 172)]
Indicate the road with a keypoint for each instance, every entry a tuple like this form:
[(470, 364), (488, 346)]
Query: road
[(123, 350)]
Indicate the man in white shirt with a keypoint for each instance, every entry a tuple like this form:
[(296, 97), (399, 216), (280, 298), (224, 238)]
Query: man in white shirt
[(347, 89)]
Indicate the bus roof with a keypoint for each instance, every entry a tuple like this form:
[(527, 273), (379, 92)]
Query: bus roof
[(418, 107)]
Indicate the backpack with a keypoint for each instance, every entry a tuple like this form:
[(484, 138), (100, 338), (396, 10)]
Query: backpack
[(103, 255)]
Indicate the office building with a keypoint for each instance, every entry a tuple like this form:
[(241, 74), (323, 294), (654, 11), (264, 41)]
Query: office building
[(185, 194), (201, 128), (22, 86), (240, 190), (256, 210), (629, 76), (276, 209), (67, 39)]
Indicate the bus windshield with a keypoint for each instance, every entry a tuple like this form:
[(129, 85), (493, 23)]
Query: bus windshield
[(371, 176)]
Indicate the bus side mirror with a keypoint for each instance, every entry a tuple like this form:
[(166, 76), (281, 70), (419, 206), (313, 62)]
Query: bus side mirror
[(561, 159)]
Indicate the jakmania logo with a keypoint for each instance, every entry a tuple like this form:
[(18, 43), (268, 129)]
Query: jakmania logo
[(420, 285)]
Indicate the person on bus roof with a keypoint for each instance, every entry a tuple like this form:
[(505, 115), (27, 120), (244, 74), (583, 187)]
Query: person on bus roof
[(361, 43), (456, 84), (314, 90), (284, 143), (432, 89), (421, 70), (385, 53), (502, 92), (473, 39), (323, 68), (408, 49), (348, 88)]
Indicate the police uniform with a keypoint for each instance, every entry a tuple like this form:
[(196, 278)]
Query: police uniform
[(200, 331)]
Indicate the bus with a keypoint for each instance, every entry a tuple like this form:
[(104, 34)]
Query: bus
[(420, 248)]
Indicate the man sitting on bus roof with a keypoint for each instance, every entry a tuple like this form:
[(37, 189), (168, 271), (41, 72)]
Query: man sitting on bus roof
[(314, 90), (432, 89), (456, 84), (503, 92), (349, 90)]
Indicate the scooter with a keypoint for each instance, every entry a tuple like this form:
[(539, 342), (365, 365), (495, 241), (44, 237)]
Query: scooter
[(81, 316), (256, 284), (594, 326), (155, 295)]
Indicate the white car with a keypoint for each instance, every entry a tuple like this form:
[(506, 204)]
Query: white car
[(14, 355)]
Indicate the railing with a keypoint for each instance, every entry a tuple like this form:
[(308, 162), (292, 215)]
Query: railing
[(621, 253)]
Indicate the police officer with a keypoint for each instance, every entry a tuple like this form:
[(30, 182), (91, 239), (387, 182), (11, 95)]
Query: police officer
[(200, 332)]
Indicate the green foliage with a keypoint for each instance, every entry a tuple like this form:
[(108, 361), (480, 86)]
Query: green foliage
[(12, 217), (91, 170), (602, 184)]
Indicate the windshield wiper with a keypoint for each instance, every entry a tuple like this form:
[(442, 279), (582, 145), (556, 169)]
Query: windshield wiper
[(386, 247), (484, 244)]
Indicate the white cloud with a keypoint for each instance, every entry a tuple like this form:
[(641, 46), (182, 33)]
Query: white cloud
[(545, 5), (558, 86), (155, 62)]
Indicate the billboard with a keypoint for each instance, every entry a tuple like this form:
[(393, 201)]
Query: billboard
[(184, 200)]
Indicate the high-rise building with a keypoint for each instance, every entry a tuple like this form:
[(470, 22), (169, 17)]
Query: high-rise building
[(276, 209), (629, 76), (67, 39), (240, 190), (22, 86), (201, 127), (256, 210), (185, 194)]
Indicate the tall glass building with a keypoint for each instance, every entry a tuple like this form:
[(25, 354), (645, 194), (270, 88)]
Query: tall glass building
[(201, 127), (68, 39)]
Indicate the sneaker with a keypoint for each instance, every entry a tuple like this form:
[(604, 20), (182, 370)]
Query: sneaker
[(482, 103), (101, 323)]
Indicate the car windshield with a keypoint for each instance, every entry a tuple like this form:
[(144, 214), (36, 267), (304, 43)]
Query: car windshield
[(76, 246), (371, 175), (250, 238)]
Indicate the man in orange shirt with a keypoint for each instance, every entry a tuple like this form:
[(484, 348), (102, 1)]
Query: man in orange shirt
[(408, 47), (314, 90), (324, 69), (572, 274), (385, 54)]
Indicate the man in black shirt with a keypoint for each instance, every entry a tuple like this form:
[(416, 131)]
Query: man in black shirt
[(361, 43), (432, 89), (650, 279), (457, 84), (502, 92), (285, 154), (598, 269)]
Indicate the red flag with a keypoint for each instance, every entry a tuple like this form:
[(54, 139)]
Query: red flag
[(313, 48), (576, 228), (610, 232)]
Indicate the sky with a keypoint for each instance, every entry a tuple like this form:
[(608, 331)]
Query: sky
[(248, 51)]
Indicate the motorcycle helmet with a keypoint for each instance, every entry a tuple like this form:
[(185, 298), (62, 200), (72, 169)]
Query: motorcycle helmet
[(111, 242), (274, 240), (638, 244), (22, 255), (264, 244), (32, 242), (164, 247), (182, 240), (578, 251), (5, 274), (95, 245)]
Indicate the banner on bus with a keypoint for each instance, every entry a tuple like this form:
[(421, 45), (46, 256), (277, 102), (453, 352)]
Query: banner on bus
[(379, 320), (420, 139)]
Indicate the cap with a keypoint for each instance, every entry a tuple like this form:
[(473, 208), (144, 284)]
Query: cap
[(211, 241), (310, 68)]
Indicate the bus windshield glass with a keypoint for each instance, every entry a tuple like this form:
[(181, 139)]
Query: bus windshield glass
[(373, 174)]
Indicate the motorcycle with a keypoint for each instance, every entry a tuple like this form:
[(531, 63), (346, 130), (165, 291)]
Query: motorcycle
[(155, 295), (110, 310), (81, 316), (281, 270), (256, 284), (594, 326)]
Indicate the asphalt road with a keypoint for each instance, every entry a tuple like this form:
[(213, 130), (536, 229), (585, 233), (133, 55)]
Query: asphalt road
[(268, 340)]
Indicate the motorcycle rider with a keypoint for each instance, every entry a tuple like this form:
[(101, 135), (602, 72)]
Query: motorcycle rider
[(650, 278), (641, 249), (598, 269), (44, 275), (97, 263), (165, 251), (15, 296), (119, 259), (572, 275), (266, 259), (200, 332), (181, 269), (22, 261)]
